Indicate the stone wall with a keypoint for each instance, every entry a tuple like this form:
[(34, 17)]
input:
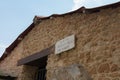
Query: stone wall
[(71, 72), (9, 66), (97, 42), (29, 73), (97, 45)]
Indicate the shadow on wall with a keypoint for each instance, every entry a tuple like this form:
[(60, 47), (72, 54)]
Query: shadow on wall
[(72, 72)]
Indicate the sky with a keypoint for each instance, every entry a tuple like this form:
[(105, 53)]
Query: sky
[(17, 15)]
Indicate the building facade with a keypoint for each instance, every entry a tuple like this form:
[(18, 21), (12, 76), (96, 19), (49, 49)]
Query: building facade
[(96, 55)]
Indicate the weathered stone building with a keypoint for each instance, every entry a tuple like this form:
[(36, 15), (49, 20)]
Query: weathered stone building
[(96, 55)]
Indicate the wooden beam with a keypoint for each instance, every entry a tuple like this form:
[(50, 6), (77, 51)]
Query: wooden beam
[(38, 57)]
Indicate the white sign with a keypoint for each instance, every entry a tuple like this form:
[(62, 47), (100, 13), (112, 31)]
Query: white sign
[(65, 44)]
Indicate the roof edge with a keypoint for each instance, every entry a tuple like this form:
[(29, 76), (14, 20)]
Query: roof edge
[(9, 49), (80, 10), (37, 19)]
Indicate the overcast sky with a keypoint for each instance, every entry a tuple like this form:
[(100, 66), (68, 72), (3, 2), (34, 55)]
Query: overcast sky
[(17, 15)]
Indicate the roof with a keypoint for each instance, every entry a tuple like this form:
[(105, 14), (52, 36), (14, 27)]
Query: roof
[(37, 19)]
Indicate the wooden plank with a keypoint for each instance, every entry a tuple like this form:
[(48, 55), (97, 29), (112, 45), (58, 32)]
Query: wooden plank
[(38, 57)]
